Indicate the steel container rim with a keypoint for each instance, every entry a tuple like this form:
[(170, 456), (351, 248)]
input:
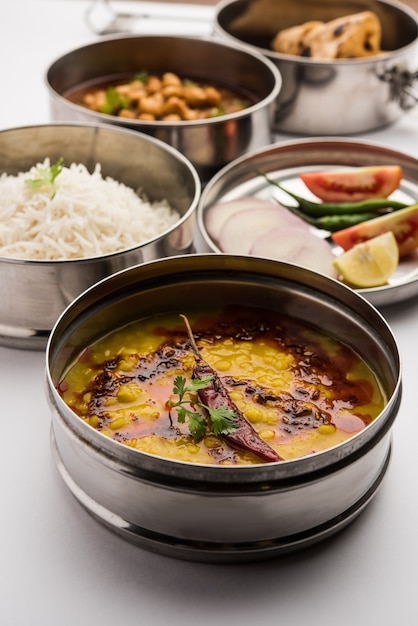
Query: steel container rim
[(36, 291), (223, 5), (118, 130), (369, 93), (291, 153), (188, 476), (257, 56)]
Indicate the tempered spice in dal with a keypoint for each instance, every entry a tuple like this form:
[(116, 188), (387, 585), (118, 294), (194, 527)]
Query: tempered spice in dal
[(302, 390)]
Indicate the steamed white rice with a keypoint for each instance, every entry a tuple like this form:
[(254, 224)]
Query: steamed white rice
[(86, 216)]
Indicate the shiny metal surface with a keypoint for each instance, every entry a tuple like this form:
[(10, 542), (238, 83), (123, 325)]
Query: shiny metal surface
[(330, 97), (35, 293), (208, 144), (212, 513), (284, 162), (103, 19)]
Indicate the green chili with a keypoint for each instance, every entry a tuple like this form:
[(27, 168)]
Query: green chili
[(333, 223), (318, 209)]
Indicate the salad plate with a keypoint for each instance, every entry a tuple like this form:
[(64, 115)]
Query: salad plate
[(283, 163)]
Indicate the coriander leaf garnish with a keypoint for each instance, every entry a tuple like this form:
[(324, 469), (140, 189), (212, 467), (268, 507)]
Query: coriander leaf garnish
[(225, 418), (217, 111), (195, 384), (222, 419), (141, 76), (114, 101), (45, 177)]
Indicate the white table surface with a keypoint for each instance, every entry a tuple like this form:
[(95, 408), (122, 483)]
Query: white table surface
[(59, 567)]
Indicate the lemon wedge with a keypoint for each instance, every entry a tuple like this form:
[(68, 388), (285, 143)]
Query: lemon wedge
[(369, 264)]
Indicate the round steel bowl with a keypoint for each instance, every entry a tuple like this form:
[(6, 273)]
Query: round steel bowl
[(288, 159), (35, 293), (208, 144), (215, 513), (330, 97)]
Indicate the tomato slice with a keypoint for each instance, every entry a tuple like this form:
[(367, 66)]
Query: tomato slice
[(354, 185), (403, 224)]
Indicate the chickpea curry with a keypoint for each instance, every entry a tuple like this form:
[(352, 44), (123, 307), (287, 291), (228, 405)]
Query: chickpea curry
[(169, 98), (300, 390)]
